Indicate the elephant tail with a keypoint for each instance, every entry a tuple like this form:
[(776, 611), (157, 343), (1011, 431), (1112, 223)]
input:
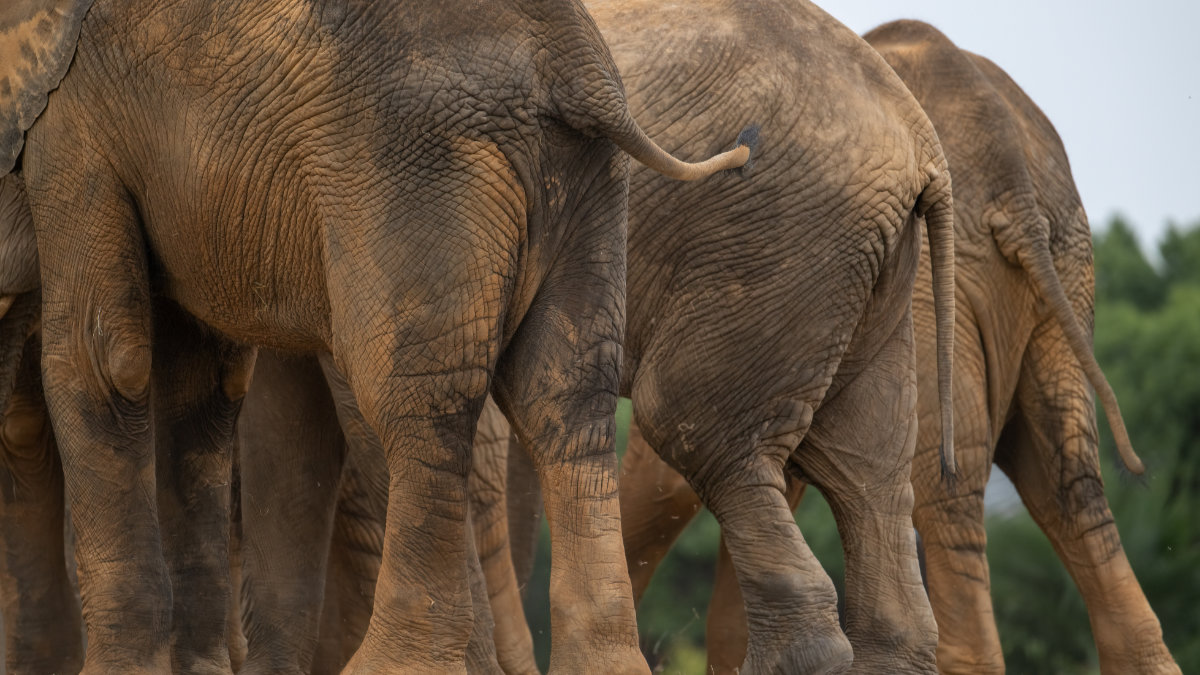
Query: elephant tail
[(629, 137), (936, 205), (1039, 264), (594, 104)]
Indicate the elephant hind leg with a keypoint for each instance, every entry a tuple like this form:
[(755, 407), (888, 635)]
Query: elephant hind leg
[(726, 635), (790, 601), (1067, 502), (956, 565), (859, 454)]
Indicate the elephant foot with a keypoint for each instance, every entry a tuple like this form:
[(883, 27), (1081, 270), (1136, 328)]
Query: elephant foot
[(157, 665), (195, 663), (616, 660), (1149, 658), (806, 653), (958, 660), (205, 667)]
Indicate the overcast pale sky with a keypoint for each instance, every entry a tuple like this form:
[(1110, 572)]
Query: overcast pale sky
[(1120, 81)]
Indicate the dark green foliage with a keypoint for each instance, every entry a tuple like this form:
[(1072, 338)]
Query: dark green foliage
[(1122, 273), (1148, 342)]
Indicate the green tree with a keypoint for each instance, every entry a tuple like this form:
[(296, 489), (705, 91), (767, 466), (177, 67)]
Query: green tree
[(1122, 272)]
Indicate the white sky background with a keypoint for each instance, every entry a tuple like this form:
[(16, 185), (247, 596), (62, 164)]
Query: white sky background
[(1119, 81)]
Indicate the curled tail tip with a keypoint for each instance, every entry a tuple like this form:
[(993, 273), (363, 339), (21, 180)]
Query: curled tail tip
[(748, 138)]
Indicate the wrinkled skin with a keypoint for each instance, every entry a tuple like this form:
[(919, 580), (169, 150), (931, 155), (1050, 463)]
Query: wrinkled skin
[(769, 325), (42, 626), (195, 406), (1023, 369), (339, 178), (1022, 391), (290, 415), (288, 406), (305, 409), (41, 614)]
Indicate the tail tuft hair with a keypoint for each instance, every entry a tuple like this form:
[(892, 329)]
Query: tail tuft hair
[(950, 480)]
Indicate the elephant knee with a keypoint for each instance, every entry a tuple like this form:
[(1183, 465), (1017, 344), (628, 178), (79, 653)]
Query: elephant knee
[(128, 364)]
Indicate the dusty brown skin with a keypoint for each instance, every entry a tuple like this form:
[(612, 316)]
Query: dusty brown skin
[(1023, 363), (41, 614), (293, 447), (289, 411), (302, 442), (331, 177), (1024, 358), (769, 321)]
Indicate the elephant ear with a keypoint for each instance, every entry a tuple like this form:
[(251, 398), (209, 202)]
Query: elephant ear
[(37, 42)]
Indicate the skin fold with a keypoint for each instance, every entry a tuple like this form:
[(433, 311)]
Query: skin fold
[(769, 328), (337, 178), (1022, 388)]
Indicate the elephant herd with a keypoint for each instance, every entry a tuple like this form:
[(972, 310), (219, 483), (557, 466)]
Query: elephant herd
[(264, 268)]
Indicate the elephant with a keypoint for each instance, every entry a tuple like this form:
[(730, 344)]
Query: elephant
[(337, 177), (769, 328), (289, 406), (1023, 364)]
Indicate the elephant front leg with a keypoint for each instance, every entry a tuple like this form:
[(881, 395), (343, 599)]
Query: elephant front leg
[(859, 454), (42, 626), (96, 358), (488, 488), (96, 369), (358, 530), (481, 647)]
